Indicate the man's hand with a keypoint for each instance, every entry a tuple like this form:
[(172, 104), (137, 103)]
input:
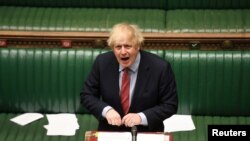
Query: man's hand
[(113, 117), (131, 119)]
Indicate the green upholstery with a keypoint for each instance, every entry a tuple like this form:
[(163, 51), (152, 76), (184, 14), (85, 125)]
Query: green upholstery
[(208, 4), (204, 20), (213, 86), (102, 19), (77, 19), (43, 80), (217, 16), (212, 82), (155, 4)]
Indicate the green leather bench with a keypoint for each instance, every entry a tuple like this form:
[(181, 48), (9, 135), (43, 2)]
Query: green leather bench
[(213, 86)]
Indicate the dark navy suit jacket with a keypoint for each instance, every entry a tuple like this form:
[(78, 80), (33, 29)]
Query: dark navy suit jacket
[(155, 91)]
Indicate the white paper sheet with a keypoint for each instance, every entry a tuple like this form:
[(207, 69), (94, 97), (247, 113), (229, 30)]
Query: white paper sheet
[(63, 124), (152, 137), (26, 118), (114, 136), (126, 136), (179, 123), (57, 130)]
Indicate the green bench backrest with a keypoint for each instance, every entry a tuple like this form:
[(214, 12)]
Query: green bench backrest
[(212, 82), (49, 80), (151, 15), (208, 21), (44, 80), (153, 4), (208, 4), (78, 19), (102, 19)]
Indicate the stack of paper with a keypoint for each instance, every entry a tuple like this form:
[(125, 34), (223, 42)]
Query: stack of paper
[(26, 118), (61, 124), (178, 123)]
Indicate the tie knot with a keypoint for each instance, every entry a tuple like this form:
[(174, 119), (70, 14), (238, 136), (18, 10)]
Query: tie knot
[(126, 70)]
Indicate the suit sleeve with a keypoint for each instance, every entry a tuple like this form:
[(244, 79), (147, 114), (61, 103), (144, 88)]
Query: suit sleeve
[(168, 101), (90, 93)]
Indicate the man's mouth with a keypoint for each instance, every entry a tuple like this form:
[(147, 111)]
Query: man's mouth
[(124, 58)]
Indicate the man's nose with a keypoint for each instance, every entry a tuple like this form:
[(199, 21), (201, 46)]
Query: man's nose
[(123, 50)]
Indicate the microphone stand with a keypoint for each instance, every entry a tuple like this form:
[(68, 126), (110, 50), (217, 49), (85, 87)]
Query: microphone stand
[(134, 133)]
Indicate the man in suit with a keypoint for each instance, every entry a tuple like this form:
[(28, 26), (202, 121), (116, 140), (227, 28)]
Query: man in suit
[(151, 88)]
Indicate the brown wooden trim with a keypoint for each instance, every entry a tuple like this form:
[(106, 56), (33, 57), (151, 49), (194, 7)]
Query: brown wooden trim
[(52, 35), (152, 40), (196, 35), (93, 135), (147, 35)]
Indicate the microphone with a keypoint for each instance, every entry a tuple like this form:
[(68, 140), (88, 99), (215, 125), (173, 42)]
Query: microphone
[(134, 133)]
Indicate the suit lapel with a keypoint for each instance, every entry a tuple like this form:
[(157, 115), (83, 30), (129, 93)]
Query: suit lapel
[(113, 73)]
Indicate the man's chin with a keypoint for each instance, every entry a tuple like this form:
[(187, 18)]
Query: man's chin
[(125, 65)]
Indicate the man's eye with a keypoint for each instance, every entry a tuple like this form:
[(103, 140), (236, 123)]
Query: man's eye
[(118, 46), (127, 46)]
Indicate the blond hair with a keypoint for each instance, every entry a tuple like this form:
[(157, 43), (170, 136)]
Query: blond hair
[(132, 30)]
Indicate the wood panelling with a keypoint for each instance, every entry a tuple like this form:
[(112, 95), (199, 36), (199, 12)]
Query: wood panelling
[(202, 41)]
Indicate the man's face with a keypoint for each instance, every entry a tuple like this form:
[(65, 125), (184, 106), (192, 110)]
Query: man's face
[(125, 50)]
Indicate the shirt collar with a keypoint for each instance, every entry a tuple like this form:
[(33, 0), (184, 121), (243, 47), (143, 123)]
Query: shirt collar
[(134, 67)]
